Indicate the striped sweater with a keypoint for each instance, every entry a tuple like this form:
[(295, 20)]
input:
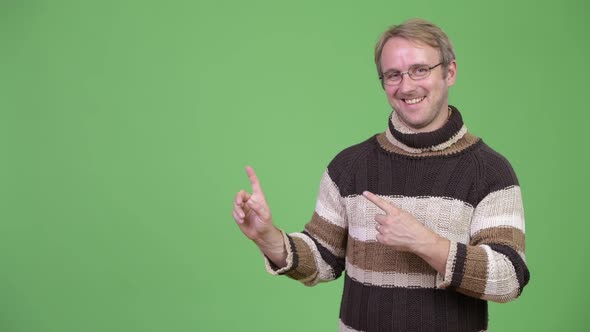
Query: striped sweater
[(454, 184)]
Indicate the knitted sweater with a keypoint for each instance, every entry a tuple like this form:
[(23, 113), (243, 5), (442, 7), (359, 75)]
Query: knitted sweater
[(454, 184)]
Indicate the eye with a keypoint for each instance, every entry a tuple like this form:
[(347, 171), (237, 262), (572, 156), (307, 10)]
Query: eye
[(420, 71), (392, 76)]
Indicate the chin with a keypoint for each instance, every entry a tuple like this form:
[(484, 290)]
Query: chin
[(415, 120), (415, 123)]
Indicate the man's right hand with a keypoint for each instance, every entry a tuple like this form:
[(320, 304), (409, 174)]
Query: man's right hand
[(252, 214)]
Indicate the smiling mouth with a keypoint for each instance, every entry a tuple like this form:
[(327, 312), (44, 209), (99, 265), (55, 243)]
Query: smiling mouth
[(413, 101)]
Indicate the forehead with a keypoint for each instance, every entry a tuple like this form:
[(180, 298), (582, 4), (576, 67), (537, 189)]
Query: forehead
[(400, 53)]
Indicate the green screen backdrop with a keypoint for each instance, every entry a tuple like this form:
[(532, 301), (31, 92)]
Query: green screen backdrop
[(125, 127)]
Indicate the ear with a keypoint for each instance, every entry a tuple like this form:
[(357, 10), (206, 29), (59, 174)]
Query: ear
[(451, 73)]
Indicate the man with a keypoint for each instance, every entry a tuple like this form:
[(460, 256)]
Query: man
[(425, 218)]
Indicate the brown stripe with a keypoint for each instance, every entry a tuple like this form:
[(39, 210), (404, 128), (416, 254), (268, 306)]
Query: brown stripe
[(392, 279), (332, 235), (510, 236), (475, 272), (466, 141), (374, 256), (306, 267)]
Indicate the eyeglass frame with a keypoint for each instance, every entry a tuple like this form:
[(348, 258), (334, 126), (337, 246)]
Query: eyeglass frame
[(410, 75)]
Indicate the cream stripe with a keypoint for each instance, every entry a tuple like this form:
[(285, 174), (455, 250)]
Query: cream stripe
[(391, 279), (325, 271), (345, 328), (329, 204), (510, 220), (502, 284), (499, 209), (447, 217)]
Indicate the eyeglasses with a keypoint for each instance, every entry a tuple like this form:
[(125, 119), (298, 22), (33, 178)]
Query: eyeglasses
[(416, 72)]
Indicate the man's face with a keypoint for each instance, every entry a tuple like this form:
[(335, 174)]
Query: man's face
[(421, 105)]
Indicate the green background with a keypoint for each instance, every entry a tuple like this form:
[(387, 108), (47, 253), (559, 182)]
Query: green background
[(125, 127)]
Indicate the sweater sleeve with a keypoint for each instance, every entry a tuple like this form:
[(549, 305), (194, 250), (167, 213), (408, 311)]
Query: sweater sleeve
[(317, 254), (492, 265)]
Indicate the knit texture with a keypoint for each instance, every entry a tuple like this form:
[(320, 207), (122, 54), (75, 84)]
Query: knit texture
[(454, 184)]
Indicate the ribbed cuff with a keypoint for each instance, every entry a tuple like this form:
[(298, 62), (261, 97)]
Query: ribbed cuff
[(272, 268), (445, 281)]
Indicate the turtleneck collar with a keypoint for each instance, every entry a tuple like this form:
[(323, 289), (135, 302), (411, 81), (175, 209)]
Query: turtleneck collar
[(440, 139)]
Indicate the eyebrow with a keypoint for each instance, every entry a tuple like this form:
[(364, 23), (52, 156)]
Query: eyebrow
[(412, 66)]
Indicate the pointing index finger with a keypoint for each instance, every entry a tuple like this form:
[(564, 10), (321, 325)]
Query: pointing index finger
[(382, 204), (256, 189)]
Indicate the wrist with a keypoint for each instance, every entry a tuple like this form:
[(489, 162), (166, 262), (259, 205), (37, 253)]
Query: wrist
[(273, 246), (435, 252), (428, 244), (271, 242)]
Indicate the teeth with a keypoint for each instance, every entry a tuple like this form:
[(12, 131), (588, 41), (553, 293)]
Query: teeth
[(413, 101)]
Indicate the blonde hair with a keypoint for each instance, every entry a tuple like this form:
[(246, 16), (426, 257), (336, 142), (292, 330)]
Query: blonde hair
[(419, 30)]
